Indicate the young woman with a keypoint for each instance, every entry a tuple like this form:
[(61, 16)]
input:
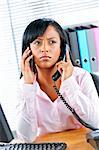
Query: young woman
[(40, 110)]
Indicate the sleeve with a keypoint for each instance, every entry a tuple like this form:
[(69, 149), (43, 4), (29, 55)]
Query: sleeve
[(80, 93), (26, 112)]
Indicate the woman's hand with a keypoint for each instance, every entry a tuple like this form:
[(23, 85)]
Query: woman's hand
[(65, 67), (28, 74)]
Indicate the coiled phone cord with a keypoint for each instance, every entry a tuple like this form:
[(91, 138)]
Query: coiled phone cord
[(73, 111)]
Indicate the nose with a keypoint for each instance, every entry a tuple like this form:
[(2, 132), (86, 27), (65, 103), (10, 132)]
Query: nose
[(44, 47)]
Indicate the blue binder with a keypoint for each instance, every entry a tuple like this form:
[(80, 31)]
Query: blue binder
[(83, 49)]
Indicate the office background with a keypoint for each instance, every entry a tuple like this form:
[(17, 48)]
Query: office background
[(14, 17)]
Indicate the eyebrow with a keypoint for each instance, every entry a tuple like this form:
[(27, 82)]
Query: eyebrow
[(47, 38)]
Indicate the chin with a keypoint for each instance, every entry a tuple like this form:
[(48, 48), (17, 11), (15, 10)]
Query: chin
[(45, 66)]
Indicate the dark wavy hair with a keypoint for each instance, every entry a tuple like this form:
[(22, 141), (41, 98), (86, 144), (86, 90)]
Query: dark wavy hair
[(37, 28)]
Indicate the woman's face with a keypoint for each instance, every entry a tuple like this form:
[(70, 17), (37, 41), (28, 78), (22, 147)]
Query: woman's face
[(46, 48)]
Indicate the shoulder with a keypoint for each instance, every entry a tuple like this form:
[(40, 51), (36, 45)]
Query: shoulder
[(80, 73)]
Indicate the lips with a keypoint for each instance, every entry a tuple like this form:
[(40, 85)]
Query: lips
[(45, 57)]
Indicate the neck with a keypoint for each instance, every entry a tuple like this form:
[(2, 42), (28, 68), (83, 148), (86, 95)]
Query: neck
[(44, 76)]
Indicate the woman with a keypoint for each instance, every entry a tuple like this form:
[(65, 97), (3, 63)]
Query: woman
[(39, 109)]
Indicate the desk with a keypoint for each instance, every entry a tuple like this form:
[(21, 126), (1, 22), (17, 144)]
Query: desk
[(75, 139)]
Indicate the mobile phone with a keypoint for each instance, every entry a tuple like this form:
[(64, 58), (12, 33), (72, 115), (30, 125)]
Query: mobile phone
[(57, 73)]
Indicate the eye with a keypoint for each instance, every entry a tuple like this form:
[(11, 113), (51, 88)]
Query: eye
[(37, 42), (52, 42)]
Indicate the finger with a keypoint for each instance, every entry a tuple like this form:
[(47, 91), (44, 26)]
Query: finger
[(26, 53), (28, 59), (61, 66), (22, 65), (58, 64), (26, 50), (25, 63), (67, 56), (25, 56), (27, 67)]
